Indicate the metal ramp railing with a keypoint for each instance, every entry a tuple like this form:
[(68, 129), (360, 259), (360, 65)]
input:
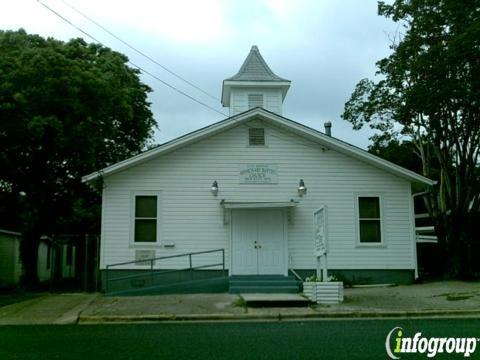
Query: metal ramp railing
[(152, 273)]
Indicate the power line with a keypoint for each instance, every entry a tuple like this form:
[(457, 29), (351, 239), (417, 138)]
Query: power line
[(85, 16), (130, 62)]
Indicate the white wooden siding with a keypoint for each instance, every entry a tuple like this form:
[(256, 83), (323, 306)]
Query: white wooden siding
[(10, 263), (192, 217), (272, 99)]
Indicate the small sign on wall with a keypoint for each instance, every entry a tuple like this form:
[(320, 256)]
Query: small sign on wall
[(144, 255), (258, 174)]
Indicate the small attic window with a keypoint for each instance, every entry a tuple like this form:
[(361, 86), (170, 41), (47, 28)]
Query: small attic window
[(255, 100), (256, 136)]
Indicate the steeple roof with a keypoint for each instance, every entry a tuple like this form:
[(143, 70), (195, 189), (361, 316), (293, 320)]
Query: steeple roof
[(255, 68)]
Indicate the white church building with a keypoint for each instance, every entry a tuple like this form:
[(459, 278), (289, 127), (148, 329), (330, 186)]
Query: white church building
[(251, 199)]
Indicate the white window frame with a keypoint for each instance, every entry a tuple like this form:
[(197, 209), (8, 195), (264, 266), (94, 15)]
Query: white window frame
[(382, 243), (145, 245)]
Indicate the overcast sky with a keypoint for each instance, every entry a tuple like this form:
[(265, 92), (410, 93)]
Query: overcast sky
[(323, 47)]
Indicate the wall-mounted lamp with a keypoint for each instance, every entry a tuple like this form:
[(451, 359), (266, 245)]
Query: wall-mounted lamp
[(214, 188), (302, 189)]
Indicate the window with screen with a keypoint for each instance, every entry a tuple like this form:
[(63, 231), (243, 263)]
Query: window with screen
[(255, 100), (256, 136), (145, 219), (369, 219)]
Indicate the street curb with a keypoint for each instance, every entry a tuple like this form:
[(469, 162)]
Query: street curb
[(72, 316), (108, 319)]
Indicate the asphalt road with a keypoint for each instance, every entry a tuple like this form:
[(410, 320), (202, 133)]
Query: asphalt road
[(341, 339)]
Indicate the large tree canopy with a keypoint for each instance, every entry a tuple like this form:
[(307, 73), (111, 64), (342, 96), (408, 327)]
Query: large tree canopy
[(399, 152), (430, 92), (66, 109)]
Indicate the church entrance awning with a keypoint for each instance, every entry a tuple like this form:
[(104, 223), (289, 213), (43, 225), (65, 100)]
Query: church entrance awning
[(232, 205), (257, 204)]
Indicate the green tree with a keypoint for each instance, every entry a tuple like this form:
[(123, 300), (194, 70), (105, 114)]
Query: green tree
[(66, 109), (400, 152), (429, 90)]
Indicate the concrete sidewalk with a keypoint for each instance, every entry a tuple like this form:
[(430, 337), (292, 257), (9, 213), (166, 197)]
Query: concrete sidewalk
[(47, 309), (450, 299)]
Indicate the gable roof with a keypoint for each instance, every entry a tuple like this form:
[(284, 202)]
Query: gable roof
[(262, 114), (255, 68)]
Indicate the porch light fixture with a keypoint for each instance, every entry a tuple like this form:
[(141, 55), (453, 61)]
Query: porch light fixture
[(302, 190), (214, 188)]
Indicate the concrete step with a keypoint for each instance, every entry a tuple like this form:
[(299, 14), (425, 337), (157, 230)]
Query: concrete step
[(291, 289), (262, 282), (261, 279), (274, 300)]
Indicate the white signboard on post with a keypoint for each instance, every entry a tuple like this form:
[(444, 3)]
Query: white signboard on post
[(320, 240), (319, 220)]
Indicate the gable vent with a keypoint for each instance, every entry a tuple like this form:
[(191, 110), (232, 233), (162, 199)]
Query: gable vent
[(255, 100), (256, 136)]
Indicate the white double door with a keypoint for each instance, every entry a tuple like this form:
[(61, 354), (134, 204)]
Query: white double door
[(258, 242)]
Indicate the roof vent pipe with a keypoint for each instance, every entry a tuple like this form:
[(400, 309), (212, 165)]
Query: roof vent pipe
[(328, 128)]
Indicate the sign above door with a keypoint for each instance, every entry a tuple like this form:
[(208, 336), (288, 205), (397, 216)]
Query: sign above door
[(258, 174)]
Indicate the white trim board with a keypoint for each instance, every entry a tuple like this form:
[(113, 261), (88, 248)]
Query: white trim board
[(262, 114)]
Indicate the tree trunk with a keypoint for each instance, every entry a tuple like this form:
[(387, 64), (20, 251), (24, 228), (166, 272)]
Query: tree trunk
[(455, 245)]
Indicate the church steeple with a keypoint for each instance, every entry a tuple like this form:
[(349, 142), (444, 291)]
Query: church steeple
[(254, 85)]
